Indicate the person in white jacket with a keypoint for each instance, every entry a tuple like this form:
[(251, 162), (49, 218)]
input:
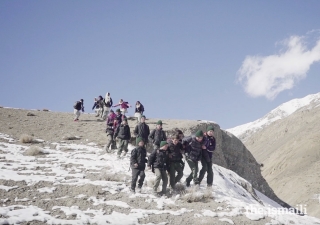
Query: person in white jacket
[(107, 103)]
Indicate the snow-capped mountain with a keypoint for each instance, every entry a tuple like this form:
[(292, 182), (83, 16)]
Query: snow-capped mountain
[(246, 130)]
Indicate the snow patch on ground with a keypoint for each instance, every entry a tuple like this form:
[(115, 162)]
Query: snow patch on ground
[(72, 169)]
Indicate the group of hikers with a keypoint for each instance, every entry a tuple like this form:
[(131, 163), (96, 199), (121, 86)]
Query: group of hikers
[(167, 155), (102, 107)]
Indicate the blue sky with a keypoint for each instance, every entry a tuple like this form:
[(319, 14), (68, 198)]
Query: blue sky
[(226, 61)]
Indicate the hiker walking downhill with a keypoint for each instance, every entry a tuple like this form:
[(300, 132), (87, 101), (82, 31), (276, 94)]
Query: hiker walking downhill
[(96, 106), (206, 160), (142, 130), (119, 117), (176, 164), (123, 106), (193, 152), (138, 162), (100, 102), (159, 159), (107, 103), (110, 131), (138, 111), (78, 106), (124, 135), (157, 135)]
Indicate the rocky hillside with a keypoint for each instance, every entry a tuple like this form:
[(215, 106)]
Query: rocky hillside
[(54, 127), (289, 150), (59, 174)]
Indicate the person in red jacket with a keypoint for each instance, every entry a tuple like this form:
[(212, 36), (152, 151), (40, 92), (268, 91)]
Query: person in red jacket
[(123, 106)]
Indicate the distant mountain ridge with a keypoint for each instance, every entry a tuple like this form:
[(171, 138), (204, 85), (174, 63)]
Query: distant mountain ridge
[(243, 132)]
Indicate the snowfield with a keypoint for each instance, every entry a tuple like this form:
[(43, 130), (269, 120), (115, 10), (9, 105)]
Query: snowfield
[(81, 184)]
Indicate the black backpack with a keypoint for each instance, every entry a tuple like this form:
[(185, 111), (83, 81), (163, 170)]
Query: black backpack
[(77, 105)]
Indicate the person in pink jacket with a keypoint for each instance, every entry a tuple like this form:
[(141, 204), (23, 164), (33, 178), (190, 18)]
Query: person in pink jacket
[(123, 106)]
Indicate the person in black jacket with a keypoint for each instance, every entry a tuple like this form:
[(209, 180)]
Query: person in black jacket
[(110, 133), (194, 146), (157, 135), (119, 117), (123, 133), (176, 164), (100, 102), (138, 162), (142, 130), (77, 107), (96, 107), (159, 158), (206, 160)]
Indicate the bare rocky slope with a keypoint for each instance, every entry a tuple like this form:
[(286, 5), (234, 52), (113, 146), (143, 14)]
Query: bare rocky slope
[(54, 126), (290, 152)]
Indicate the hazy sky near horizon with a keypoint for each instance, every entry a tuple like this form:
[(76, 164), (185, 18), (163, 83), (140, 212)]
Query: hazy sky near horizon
[(226, 61)]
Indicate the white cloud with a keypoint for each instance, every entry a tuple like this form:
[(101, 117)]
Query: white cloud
[(268, 76)]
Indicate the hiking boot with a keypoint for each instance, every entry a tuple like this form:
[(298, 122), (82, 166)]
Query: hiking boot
[(187, 183), (163, 192), (132, 191)]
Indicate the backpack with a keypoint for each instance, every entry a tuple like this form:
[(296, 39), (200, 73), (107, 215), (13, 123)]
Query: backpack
[(76, 104)]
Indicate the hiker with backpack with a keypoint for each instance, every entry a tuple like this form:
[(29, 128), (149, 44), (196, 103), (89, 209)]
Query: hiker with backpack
[(159, 160), (123, 106), (107, 104), (138, 111), (96, 107), (193, 152), (142, 130), (100, 102), (138, 162), (206, 160), (110, 131), (77, 107), (175, 157), (157, 135), (123, 133)]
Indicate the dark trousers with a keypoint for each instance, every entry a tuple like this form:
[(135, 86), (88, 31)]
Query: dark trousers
[(135, 173), (206, 168), (175, 167), (194, 172)]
